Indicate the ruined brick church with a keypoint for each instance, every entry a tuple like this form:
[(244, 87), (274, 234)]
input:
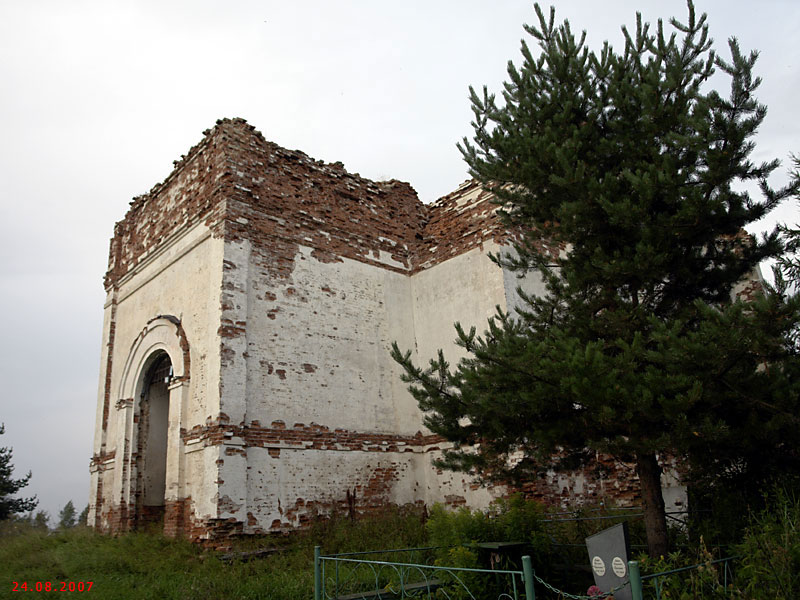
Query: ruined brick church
[(245, 381)]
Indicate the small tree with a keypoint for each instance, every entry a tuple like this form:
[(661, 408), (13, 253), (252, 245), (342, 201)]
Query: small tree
[(83, 518), (8, 486), (66, 518), (40, 520), (620, 173)]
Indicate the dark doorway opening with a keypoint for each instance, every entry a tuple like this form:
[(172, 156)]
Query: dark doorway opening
[(152, 442)]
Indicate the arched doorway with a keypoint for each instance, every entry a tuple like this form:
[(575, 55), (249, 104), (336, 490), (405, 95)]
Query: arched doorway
[(153, 392), (152, 440)]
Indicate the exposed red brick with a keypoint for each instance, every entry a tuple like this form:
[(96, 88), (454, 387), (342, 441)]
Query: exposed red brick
[(606, 480), (245, 187), (98, 460), (229, 329), (753, 289), (112, 327), (226, 504), (454, 500), (192, 193), (98, 504), (312, 436), (184, 344)]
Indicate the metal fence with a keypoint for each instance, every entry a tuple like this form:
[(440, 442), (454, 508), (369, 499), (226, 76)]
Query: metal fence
[(714, 584), (356, 576), (361, 576)]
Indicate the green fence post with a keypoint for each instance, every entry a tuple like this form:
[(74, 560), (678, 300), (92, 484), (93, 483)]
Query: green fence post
[(317, 574), (636, 580), (527, 574)]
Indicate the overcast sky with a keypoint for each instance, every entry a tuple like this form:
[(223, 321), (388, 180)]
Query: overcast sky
[(99, 97)]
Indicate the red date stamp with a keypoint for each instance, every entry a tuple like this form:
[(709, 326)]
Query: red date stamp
[(51, 586)]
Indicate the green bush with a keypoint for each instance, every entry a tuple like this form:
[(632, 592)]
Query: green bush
[(459, 532), (393, 527), (707, 580), (722, 512), (462, 585), (770, 551), (508, 520), (767, 564)]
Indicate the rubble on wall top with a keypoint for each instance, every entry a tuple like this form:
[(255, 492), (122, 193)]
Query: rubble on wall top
[(234, 168)]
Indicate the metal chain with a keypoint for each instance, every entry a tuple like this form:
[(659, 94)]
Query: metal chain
[(577, 596)]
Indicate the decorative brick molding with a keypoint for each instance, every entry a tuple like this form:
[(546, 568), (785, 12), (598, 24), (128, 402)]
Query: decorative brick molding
[(313, 436)]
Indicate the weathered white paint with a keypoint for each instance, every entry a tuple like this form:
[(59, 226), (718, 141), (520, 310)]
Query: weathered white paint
[(181, 278), (315, 352)]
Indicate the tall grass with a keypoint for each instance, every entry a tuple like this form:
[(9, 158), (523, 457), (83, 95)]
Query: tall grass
[(145, 565)]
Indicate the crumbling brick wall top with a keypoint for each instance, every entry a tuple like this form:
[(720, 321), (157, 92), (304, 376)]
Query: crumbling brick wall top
[(190, 194), (244, 186), (284, 195), (462, 220)]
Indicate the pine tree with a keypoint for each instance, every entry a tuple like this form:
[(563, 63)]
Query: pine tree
[(621, 174), (40, 520), (66, 517), (83, 518), (8, 487)]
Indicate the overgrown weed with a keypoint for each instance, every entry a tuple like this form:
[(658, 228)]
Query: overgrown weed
[(144, 565)]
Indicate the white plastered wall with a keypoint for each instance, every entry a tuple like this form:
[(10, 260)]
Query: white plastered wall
[(317, 354), (466, 289), (318, 346), (182, 278), (310, 349)]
